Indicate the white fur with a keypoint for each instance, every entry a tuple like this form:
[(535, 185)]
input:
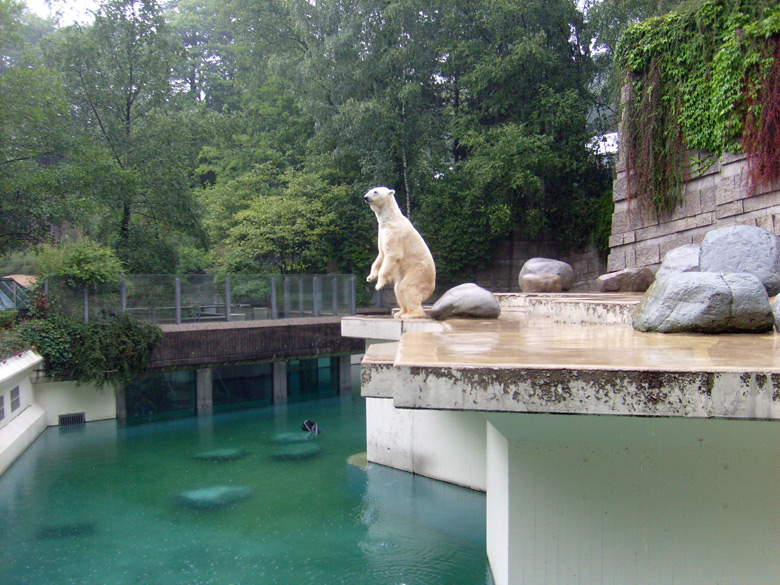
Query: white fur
[(403, 258)]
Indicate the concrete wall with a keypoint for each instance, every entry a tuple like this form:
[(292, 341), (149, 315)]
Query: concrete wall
[(718, 198), (67, 397), (444, 445), (20, 426), (633, 500)]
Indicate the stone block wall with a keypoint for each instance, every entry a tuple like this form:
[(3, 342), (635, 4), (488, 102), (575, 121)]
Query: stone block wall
[(511, 254), (717, 198)]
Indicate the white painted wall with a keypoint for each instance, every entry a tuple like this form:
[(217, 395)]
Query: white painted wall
[(15, 373), (444, 445), (690, 506), (67, 398), (20, 426)]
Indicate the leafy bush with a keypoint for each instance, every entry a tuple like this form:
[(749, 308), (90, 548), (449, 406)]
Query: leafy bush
[(52, 338), (113, 350), (81, 262), (104, 351)]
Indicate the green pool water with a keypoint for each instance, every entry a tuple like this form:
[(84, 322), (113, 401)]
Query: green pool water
[(101, 505)]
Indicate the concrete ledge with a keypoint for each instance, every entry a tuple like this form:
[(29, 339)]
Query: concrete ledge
[(386, 328), (571, 308), (20, 433)]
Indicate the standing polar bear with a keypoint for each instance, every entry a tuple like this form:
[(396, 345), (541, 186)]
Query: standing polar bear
[(403, 256)]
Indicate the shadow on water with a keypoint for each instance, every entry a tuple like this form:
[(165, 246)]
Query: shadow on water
[(104, 506)]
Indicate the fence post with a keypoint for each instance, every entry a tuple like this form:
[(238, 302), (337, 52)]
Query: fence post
[(227, 298), (274, 314), (286, 297), (353, 295), (316, 301), (300, 296), (86, 303), (122, 296), (177, 299), (335, 295)]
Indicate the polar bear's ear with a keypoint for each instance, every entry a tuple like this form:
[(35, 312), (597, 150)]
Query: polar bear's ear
[(392, 192)]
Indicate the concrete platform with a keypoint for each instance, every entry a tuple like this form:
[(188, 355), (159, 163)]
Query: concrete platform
[(608, 455)]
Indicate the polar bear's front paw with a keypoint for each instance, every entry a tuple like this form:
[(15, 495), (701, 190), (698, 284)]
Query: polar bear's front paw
[(371, 277)]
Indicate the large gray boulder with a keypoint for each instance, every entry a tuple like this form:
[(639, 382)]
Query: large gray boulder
[(776, 311), (541, 283), (626, 280), (705, 302), (743, 248), (548, 266), (681, 259), (466, 300)]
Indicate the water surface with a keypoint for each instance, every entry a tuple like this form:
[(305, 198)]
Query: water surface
[(98, 505)]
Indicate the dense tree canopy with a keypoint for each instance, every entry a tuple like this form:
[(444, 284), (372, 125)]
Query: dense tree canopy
[(242, 134)]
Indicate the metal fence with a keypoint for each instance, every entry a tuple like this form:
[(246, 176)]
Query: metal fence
[(197, 298), (12, 295)]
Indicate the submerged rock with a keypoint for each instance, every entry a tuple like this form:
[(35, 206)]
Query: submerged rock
[(229, 454), (296, 452), (705, 302), (72, 530), (743, 248), (293, 437), (466, 300), (212, 497), (548, 266)]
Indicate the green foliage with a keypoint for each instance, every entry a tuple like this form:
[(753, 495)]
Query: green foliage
[(53, 338), (693, 74), (82, 262), (105, 351), (113, 350)]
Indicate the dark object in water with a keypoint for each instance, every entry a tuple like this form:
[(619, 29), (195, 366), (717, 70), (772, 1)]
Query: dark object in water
[(74, 530), (310, 426)]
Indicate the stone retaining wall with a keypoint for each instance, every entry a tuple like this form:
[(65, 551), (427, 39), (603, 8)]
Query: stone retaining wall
[(718, 198), (511, 254)]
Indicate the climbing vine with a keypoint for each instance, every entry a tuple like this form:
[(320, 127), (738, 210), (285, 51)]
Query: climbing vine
[(703, 81)]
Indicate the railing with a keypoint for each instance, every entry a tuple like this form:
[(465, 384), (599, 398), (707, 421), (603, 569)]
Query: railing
[(12, 295), (197, 298)]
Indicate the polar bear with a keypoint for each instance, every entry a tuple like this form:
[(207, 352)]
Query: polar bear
[(403, 256)]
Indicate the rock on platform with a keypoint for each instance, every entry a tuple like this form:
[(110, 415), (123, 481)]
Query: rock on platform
[(743, 248), (705, 302), (466, 300)]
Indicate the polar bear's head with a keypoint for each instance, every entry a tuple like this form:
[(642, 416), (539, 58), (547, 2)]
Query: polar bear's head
[(379, 196)]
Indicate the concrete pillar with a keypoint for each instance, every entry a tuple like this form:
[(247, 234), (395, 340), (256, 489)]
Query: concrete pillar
[(280, 383), (613, 499), (121, 402), (343, 372), (204, 392)]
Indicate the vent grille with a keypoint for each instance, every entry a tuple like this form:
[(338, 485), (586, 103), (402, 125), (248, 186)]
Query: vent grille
[(76, 418)]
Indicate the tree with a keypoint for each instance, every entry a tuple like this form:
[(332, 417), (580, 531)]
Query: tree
[(35, 134), (118, 74)]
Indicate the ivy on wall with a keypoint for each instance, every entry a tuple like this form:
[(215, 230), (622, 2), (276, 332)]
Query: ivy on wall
[(703, 80)]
